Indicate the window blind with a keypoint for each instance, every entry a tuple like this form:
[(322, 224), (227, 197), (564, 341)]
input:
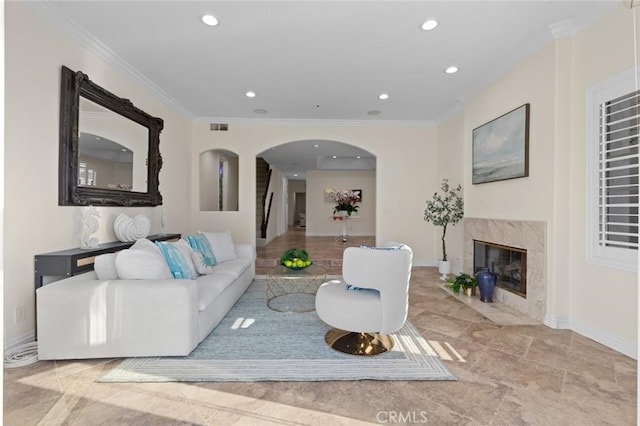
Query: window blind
[(618, 172)]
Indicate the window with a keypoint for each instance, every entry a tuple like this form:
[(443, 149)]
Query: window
[(614, 126)]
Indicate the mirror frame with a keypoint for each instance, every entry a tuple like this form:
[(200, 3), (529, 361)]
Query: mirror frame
[(74, 85)]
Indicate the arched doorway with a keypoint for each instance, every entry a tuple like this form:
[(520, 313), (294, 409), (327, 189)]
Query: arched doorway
[(302, 172)]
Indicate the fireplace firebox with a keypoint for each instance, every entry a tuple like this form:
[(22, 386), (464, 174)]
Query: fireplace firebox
[(508, 263)]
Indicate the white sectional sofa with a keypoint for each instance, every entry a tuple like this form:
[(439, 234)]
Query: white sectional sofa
[(84, 317)]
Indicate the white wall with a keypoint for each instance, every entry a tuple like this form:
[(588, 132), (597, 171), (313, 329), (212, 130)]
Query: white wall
[(34, 223), (603, 302), (406, 175), (451, 166), (598, 302), (320, 211)]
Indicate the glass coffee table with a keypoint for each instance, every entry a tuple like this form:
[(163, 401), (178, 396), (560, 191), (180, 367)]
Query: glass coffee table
[(294, 290)]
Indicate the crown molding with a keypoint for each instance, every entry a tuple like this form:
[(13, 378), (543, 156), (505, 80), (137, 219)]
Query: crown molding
[(571, 27), (77, 33), (316, 122)]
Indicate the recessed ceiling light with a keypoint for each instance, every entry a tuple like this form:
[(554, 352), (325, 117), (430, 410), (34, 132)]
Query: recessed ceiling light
[(250, 94), (374, 112), (315, 145), (451, 70), (429, 24), (334, 157), (383, 96), (210, 20), (260, 111), (124, 150), (295, 175), (358, 156)]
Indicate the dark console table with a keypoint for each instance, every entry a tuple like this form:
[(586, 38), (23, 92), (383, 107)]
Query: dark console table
[(66, 263)]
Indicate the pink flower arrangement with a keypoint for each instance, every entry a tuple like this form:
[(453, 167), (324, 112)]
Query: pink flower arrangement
[(346, 200)]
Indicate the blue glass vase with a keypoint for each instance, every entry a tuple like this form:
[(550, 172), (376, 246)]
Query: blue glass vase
[(486, 284)]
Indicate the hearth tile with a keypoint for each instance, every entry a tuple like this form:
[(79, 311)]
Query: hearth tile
[(497, 312), (535, 235)]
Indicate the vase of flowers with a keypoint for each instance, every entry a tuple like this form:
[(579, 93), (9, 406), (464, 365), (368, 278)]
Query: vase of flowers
[(346, 202)]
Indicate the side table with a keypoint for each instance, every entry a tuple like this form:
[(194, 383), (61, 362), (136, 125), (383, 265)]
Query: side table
[(67, 263)]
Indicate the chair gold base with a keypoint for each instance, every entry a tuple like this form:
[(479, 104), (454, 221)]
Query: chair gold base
[(364, 344)]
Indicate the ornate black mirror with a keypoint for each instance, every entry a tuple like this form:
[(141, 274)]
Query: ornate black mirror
[(109, 149)]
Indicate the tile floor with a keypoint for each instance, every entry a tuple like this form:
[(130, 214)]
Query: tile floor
[(507, 375)]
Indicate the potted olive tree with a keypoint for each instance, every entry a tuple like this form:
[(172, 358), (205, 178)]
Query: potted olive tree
[(443, 210)]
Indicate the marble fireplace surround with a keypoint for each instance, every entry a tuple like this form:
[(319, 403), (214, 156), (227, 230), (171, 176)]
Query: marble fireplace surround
[(529, 235)]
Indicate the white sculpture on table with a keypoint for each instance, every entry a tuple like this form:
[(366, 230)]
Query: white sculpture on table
[(90, 225), (131, 229)]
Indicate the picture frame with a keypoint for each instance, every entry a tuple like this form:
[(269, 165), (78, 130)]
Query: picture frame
[(328, 195), (500, 148)]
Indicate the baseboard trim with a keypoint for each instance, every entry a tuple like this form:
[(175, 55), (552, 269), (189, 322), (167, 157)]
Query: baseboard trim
[(628, 348), (564, 322)]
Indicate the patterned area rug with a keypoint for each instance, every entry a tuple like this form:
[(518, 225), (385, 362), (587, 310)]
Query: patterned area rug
[(254, 343)]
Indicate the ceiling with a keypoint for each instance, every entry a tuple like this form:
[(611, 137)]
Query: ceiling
[(318, 61)]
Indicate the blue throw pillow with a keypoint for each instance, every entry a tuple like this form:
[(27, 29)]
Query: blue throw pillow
[(199, 243), (175, 260)]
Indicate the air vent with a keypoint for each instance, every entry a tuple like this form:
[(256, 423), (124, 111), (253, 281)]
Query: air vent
[(219, 127)]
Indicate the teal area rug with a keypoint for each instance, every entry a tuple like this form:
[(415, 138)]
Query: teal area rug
[(254, 343)]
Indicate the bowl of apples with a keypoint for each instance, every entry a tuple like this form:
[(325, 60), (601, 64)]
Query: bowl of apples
[(295, 259)]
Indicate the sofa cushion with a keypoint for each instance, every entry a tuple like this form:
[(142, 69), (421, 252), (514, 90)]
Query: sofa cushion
[(210, 286), (134, 264), (222, 245), (234, 267), (105, 266)]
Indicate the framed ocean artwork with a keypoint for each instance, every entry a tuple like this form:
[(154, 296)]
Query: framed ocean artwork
[(501, 147)]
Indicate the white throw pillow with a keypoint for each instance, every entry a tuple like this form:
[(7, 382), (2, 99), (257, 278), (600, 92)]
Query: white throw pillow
[(105, 266), (146, 245), (222, 245), (200, 263), (133, 264)]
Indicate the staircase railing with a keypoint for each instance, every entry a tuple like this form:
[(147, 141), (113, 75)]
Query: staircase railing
[(266, 212)]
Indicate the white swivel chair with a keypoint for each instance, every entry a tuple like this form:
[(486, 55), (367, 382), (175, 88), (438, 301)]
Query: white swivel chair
[(362, 319)]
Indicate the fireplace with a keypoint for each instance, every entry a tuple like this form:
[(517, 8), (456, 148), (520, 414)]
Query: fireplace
[(518, 234), (508, 263)]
